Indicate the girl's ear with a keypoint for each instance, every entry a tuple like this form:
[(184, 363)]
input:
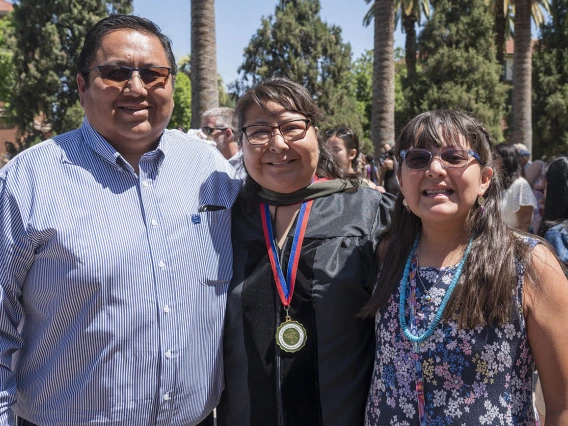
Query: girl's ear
[(352, 154), (486, 176)]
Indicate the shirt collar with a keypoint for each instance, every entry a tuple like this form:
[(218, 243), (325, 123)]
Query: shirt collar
[(103, 148)]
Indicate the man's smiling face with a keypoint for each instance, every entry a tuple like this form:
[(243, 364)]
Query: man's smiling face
[(132, 117)]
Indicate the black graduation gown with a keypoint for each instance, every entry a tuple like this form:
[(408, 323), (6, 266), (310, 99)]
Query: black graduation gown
[(327, 381)]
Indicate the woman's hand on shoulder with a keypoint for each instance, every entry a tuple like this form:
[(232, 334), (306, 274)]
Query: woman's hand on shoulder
[(546, 313), (374, 186)]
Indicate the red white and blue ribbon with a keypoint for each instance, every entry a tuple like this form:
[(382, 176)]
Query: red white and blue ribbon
[(284, 286)]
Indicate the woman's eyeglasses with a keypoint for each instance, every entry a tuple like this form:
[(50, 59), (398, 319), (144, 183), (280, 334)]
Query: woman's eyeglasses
[(291, 131), (418, 159), (119, 75)]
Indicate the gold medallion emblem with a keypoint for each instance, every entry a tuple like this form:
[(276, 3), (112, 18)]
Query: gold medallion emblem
[(291, 336)]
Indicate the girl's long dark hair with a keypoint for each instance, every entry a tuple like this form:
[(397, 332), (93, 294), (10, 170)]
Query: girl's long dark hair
[(293, 97), (511, 168), (489, 278), (556, 201)]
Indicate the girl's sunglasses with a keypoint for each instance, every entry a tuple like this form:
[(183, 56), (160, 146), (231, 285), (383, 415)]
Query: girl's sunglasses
[(418, 159)]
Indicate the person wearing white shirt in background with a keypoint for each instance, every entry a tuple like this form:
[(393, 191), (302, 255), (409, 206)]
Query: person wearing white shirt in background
[(517, 200), (220, 126)]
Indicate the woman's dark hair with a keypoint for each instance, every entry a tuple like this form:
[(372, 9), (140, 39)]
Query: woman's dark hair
[(489, 275), (349, 138), (511, 168), (292, 97), (95, 35), (556, 201)]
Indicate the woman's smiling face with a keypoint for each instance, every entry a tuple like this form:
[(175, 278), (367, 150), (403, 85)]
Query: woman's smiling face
[(439, 194), (278, 165)]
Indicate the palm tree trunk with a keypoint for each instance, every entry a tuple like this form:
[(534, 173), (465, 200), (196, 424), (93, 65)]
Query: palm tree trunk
[(382, 127), (521, 124), (409, 21), (500, 25), (204, 85)]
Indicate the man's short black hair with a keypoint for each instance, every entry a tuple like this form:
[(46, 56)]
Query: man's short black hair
[(112, 23)]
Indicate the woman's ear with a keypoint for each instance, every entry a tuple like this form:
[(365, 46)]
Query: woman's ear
[(486, 176), (352, 154)]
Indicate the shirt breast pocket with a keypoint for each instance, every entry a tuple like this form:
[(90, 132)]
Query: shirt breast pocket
[(213, 261)]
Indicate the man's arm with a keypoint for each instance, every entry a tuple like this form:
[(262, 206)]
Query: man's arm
[(16, 257)]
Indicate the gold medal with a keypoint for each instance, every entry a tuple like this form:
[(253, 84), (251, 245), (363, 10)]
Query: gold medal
[(291, 336)]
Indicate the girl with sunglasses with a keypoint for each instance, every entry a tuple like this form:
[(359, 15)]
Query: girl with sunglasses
[(464, 307)]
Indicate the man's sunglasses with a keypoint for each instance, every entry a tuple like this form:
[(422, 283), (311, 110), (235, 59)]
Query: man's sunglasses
[(119, 75), (209, 130), (418, 159)]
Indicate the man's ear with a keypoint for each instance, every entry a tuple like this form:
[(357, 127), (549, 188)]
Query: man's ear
[(232, 135), (82, 86)]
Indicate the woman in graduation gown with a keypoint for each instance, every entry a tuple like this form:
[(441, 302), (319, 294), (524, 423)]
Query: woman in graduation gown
[(304, 240)]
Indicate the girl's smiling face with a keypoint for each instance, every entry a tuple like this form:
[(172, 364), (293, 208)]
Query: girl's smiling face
[(438, 194)]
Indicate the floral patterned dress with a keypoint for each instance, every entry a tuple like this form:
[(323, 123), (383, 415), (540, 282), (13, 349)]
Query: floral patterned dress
[(480, 376)]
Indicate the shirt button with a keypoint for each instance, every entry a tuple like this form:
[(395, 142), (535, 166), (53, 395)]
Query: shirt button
[(154, 223), (167, 309), (161, 264), (145, 184), (167, 396), (168, 354)]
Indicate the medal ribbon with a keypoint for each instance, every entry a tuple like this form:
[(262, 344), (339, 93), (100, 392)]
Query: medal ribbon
[(285, 288)]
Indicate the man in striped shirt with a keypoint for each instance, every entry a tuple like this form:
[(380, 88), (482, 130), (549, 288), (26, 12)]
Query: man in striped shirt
[(115, 252)]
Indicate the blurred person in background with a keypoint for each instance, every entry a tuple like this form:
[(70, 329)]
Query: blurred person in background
[(344, 145), (220, 126), (387, 173), (517, 199), (554, 227)]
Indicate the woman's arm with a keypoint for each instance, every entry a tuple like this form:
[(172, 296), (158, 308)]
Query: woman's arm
[(524, 217), (532, 172), (546, 313)]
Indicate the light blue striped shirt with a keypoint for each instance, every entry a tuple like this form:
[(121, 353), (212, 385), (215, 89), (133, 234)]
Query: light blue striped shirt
[(113, 285)]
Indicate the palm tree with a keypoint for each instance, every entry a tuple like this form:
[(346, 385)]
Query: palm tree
[(504, 11), (521, 124), (382, 115), (204, 85), (410, 12)]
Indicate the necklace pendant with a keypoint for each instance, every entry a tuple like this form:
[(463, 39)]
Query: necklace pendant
[(428, 298), (416, 347), (291, 336)]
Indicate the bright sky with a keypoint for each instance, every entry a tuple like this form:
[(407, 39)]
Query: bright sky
[(238, 20)]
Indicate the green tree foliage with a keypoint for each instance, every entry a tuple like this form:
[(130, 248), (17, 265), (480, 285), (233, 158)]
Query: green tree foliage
[(362, 89), (49, 37), (181, 116), (295, 43), (550, 85), (458, 65), (6, 65)]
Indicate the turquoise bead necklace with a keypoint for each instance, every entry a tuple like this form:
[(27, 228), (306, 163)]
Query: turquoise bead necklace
[(405, 283)]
